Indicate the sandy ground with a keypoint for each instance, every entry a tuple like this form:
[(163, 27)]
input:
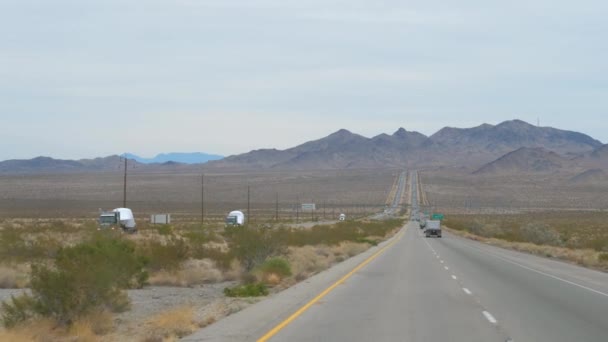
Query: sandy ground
[(209, 303)]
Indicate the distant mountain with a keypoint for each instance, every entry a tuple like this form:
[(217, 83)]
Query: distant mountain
[(177, 157), (525, 160), (468, 147), (39, 163), (340, 150), (590, 177), (481, 144)]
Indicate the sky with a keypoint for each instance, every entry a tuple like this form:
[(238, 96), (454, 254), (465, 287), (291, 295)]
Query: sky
[(82, 79)]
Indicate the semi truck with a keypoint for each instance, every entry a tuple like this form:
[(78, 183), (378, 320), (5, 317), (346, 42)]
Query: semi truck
[(433, 228), (118, 218), (342, 217), (235, 218)]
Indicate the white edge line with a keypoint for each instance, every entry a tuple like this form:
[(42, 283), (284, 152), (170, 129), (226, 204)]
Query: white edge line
[(544, 273), (489, 317)]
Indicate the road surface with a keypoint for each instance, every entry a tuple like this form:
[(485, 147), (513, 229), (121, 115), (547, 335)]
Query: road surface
[(416, 289)]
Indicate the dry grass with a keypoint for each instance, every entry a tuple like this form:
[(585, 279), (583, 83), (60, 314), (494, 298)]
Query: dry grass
[(14, 276), (172, 325), (309, 260), (195, 272), (582, 257), (92, 328)]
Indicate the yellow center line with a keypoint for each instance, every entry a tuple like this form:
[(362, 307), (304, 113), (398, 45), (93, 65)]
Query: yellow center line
[(300, 311)]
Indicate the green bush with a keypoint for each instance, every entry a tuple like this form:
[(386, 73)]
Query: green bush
[(165, 256), (277, 266), (86, 277), (248, 290), (540, 234), (603, 257), (18, 310), (164, 229), (14, 246), (252, 247)]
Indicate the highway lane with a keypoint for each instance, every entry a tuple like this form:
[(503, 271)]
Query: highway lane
[(404, 295), (532, 298)]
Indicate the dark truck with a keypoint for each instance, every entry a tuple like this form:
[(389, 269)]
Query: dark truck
[(433, 228)]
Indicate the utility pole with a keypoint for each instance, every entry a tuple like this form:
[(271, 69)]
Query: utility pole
[(276, 217), (324, 210), (248, 202), (298, 209), (202, 199), (124, 189)]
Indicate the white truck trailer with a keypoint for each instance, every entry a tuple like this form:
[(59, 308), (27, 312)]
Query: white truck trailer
[(235, 218), (433, 228), (119, 217)]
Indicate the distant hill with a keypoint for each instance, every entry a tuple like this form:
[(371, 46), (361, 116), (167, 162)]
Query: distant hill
[(525, 160), (177, 157), (469, 147), (340, 150), (481, 144), (590, 177), (39, 163)]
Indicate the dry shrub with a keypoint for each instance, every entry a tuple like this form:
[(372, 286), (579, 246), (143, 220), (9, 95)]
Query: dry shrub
[(192, 273), (272, 279), (99, 323), (40, 330), (173, 324), (350, 249), (309, 260), (13, 277)]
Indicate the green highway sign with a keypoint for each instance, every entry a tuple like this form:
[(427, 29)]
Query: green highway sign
[(438, 217)]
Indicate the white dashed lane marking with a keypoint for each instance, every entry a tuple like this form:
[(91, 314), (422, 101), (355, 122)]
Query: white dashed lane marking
[(489, 317), (467, 291), (454, 277)]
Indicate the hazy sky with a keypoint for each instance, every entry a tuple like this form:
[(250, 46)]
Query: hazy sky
[(85, 78)]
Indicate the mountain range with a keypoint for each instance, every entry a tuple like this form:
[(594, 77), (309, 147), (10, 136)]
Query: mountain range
[(511, 146), (463, 147)]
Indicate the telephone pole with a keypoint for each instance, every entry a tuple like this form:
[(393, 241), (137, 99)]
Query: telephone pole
[(248, 202), (298, 209), (124, 189), (202, 199), (276, 217)]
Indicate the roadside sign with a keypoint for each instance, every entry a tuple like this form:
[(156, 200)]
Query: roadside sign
[(309, 206), (438, 217)]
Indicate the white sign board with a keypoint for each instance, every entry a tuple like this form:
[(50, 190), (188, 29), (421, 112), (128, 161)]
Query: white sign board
[(160, 219), (309, 207)]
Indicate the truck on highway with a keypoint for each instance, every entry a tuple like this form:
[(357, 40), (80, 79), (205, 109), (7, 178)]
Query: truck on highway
[(422, 221), (342, 217), (235, 218), (433, 228), (119, 217)]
